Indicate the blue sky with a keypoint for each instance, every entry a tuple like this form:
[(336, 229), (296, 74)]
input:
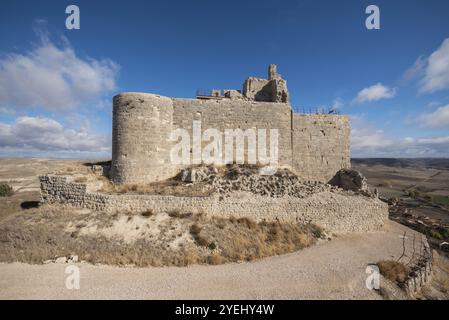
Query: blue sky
[(56, 84)]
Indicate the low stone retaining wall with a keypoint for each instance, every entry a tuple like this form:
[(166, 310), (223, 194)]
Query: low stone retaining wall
[(422, 272), (336, 212)]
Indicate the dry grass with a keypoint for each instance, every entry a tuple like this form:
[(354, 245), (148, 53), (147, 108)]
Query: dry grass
[(146, 238), (168, 187), (179, 215), (393, 270), (147, 213), (5, 190)]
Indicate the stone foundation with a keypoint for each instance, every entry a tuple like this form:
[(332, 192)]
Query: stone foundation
[(336, 212)]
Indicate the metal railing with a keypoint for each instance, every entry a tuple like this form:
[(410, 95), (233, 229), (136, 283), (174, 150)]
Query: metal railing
[(315, 110)]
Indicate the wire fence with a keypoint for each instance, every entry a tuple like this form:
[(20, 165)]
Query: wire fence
[(415, 250)]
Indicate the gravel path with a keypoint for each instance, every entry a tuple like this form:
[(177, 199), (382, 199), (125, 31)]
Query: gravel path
[(331, 270)]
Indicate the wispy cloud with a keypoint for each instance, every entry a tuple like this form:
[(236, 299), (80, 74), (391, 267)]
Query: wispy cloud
[(45, 134), (432, 72), (374, 93), (368, 141), (436, 74), (53, 78), (436, 119)]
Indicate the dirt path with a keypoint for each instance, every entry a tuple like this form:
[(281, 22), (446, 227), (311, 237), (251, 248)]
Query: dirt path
[(332, 270)]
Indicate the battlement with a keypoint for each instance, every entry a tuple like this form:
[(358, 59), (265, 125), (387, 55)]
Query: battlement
[(273, 89)]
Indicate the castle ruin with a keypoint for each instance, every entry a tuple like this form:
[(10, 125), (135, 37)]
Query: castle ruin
[(311, 151), (314, 146)]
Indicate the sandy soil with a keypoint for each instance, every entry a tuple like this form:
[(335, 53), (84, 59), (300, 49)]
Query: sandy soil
[(332, 270)]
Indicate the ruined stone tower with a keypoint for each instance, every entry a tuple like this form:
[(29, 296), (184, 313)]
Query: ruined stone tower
[(315, 146)]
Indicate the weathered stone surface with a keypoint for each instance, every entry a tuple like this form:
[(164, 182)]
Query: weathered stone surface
[(142, 124), (233, 94), (61, 260), (350, 180), (314, 146), (335, 211), (320, 145)]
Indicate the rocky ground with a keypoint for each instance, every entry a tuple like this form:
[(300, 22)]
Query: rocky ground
[(43, 234), (331, 270)]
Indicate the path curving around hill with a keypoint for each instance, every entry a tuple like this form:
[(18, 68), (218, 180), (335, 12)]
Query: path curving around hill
[(330, 270)]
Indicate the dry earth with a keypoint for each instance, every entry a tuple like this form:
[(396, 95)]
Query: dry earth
[(330, 270)]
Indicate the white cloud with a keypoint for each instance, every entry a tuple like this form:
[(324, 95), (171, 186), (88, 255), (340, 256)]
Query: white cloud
[(338, 104), (36, 134), (437, 119), (417, 70), (369, 142), (368, 139), (374, 93), (53, 78), (436, 73)]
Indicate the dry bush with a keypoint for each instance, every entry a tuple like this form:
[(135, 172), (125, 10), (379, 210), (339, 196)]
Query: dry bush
[(250, 224), (214, 259), (6, 190), (178, 214), (393, 270), (167, 187), (147, 213), (39, 234), (81, 179), (195, 229)]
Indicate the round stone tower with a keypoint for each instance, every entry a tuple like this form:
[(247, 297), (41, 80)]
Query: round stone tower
[(141, 127)]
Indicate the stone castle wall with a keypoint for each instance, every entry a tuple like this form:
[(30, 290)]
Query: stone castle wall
[(335, 212), (141, 125), (320, 145), (313, 146), (238, 114)]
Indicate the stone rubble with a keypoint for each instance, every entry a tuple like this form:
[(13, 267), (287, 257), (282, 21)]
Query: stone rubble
[(247, 179)]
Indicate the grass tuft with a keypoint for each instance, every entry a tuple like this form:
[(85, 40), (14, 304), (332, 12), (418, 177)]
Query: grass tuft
[(393, 270), (6, 190)]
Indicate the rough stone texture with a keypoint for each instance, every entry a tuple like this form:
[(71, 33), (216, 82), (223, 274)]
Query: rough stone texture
[(273, 89), (350, 180), (320, 145), (258, 89), (142, 124), (248, 179), (237, 114), (232, 94), (335, 212), (313, 146)]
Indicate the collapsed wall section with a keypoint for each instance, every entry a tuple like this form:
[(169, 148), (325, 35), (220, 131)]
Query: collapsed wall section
[(321, 145), (335, 212), (141, 127)]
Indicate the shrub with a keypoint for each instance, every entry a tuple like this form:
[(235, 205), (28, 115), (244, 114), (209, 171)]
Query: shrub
[(6, 190), (250, 224), (177, 214), (195, 229), (393, 270), (201, 241), (147, 213), (215, 259)]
